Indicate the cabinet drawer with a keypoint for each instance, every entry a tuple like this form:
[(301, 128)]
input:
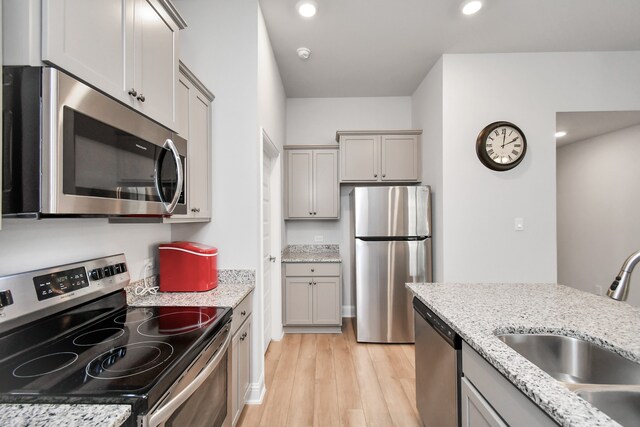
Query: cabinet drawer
[(312, 269), (241, 313)]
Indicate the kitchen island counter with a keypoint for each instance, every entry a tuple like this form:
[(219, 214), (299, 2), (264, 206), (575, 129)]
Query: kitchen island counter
[(477, 312), (23, 415)]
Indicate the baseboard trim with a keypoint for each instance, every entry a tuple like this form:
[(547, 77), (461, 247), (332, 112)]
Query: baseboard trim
[(313, 329), (257, 392), (348, 311)]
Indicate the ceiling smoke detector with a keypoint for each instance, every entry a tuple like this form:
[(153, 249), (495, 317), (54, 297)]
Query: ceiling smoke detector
[(307, 8), (304, 53)]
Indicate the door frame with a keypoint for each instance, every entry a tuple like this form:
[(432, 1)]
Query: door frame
[(270, 149)]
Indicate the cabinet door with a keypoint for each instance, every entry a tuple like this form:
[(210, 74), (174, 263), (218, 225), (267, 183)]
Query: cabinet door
[(326, 301), (88, 38), (235, 351), (359, 158), (326, 190), (299, 183), (400, 158), (244, 363), (183, 90), (298, 301), (198, 164), (476, 411), (155, 62)]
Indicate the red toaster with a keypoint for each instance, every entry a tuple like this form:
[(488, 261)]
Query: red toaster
[(188, 267)]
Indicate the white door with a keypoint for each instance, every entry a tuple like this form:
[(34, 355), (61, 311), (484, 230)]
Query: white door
[(266, 248)]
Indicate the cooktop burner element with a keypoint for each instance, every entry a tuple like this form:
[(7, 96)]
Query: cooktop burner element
[(171, 323), (133, 315), (98, 336), (46, 364), (129, 360)]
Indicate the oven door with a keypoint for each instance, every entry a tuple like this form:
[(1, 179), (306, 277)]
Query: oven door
[(202, 396), (103, 158)]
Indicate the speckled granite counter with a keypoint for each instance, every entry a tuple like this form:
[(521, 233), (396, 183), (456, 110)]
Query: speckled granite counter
[(311, 253), (479, 311), (233, 286), (15, 415)]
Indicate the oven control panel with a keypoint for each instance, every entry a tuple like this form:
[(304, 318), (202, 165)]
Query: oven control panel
[(25, 297)]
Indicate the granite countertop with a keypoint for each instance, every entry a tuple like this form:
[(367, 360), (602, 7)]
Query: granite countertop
[(477, 312), (233, 286), (18, 415), (311, 253)]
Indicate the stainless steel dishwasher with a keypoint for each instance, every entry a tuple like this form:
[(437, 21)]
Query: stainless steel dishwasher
[(438, 367)]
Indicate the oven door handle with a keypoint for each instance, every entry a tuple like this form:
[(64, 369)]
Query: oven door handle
[(163, 413), (158, 172)]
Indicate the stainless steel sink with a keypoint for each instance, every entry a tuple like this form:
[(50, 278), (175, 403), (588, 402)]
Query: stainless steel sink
[(574, 361), (621, 405), (603, 378)]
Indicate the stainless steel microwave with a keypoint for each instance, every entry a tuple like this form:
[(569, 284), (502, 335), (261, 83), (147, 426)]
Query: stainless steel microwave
[(70, 150)]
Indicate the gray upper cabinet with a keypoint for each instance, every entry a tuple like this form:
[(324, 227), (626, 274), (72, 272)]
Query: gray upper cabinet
[(312, 190), (379, 156), (126, 48), (193, 113)]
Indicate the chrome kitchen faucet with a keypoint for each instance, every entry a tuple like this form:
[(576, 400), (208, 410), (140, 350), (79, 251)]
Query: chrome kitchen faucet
[(619, 289)]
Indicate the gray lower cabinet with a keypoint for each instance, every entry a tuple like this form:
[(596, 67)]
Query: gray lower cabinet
[(312, 294), (489, 399), (241, 355)]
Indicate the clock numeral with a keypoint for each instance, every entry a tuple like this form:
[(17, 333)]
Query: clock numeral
[(496, 132), (504, 131), (491, 152), (517, 145), (496, 157), (491, 138), (489, 145), (514, 152), (510, 132)]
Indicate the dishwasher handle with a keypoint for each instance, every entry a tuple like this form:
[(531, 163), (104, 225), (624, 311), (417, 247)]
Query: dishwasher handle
[(445, 331)]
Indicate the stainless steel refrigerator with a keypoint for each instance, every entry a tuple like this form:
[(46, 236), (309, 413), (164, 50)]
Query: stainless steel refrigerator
[(391, 245)]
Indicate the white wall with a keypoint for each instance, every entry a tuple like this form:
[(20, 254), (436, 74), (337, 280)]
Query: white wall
[(314, 121), (220, 47), (426, 108), (29, 244), (598, 182), (480, 244)]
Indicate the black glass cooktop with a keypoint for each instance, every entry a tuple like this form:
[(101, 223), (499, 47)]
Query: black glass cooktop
[(105, 351)]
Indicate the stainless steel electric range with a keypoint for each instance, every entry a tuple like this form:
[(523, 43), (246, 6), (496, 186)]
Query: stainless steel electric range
[(68, 336)]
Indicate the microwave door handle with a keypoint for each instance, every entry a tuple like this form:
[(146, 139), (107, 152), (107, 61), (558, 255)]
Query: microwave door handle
[(158, 172), (163, 413)]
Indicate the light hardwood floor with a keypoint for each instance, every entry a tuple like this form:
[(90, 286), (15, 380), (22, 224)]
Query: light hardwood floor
[(331, 380)]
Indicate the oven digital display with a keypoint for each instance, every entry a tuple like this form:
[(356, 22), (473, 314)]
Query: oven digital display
[(60, 283)]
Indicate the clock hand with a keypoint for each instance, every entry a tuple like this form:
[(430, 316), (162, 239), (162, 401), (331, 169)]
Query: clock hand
[(503, 138), (510, 142)]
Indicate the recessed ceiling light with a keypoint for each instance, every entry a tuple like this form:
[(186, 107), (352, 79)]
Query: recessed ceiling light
[(304, 53), (469, 7), (560, 134), (307, 8)]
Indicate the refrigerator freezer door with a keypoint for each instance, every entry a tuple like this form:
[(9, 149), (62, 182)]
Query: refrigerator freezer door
[(392, 211), (383, 303)]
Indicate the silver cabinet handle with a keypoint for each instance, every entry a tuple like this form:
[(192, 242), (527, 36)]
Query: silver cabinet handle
[(375, 175), (133, 92), (195, 210), (141, 98), (243, 336), (312, 270), (243, 313), (170, 207), (384, 175), (310, 283), (161, 415), (272, 258)]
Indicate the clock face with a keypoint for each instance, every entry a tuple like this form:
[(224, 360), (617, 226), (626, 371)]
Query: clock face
[(501, 146)]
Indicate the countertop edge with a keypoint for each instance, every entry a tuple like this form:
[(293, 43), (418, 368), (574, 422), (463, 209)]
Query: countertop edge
[(63, 415)]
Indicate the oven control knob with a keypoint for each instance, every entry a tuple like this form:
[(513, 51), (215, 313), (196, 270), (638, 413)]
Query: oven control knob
[(108, 271), (117, 269), (96, 274), (5, 298), (123, 267)]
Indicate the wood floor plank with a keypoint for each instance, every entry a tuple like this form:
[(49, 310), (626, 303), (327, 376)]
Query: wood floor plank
[(399, 361), (346, 381), (400, 408), (410, 351), (278, 399), (324, 357), (326, 411), (308, 346), (354, 418), (409, 387), (373, 402), (302, 395)]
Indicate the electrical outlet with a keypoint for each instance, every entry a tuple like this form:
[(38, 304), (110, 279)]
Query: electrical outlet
[(149, 267), (318, 239)]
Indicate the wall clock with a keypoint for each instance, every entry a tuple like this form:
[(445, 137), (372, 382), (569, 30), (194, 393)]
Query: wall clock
[(501, 146)]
